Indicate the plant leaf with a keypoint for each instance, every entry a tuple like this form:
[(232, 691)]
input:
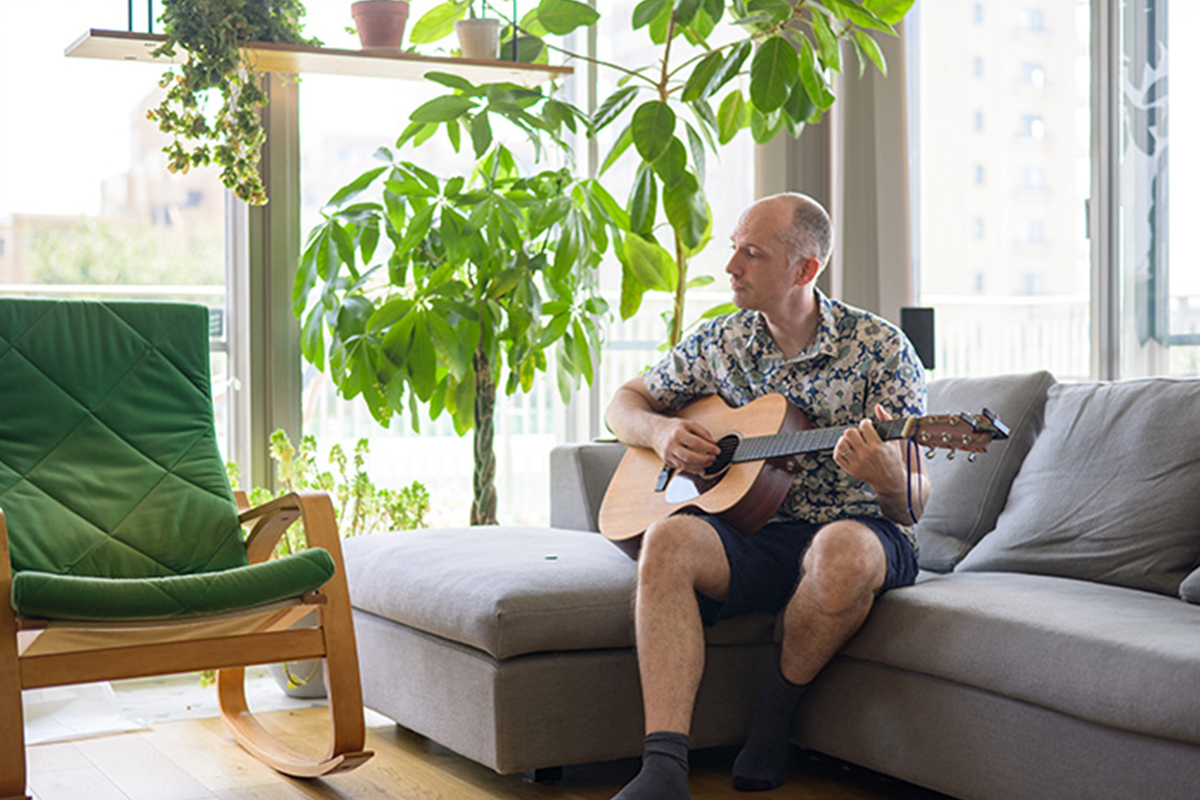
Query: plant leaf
[(653, 126), (560, 17), (731, 116), (437, 22), (772, 73), (442, 109), (871, 48), (612, 106), (643, 199)]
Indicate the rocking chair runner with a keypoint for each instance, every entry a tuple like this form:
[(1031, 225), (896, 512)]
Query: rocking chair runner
[(121, 544)]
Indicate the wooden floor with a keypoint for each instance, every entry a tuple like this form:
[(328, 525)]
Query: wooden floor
[(198, 760)]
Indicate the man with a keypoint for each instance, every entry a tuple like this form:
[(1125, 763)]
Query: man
[(839, 539)]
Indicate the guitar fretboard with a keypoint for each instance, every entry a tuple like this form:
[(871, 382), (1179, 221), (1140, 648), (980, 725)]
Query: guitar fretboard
[(778, 445)]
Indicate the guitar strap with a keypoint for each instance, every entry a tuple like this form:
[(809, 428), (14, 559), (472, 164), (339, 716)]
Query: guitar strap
[(913, 453)]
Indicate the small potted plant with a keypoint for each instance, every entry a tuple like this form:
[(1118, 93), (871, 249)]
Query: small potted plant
[(478, 36), (380, 23)]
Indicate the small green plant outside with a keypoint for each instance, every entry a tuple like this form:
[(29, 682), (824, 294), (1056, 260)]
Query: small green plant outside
[(360, 506)]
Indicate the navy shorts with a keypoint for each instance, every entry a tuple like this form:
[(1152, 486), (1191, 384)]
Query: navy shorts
[(764, 567)]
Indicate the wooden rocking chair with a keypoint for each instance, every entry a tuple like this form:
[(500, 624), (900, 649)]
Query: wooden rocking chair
[(121, 545)]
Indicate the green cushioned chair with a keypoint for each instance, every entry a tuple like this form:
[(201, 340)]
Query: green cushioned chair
[(123, 551)]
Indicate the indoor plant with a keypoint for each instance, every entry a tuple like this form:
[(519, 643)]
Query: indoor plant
[(435, 291), (212, 100), (478, 36), (686, 104)]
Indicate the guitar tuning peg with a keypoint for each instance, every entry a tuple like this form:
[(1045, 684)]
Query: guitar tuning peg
[(929, 453), (972, 457), (949, 455)]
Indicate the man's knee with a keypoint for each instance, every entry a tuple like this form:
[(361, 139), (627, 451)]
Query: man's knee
[(681, 549), (844, 564)]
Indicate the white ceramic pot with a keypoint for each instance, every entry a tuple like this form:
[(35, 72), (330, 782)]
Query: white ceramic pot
[(479, 38)]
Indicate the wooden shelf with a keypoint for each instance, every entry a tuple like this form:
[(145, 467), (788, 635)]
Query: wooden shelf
[(296, 59)]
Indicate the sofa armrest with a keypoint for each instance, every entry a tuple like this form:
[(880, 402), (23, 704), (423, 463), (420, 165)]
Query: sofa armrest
[(579, 476)]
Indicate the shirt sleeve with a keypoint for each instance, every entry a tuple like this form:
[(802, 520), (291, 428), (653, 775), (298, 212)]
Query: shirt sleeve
[(686, 372), (898, 380)]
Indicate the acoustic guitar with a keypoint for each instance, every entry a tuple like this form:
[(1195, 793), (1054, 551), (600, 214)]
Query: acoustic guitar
[(750, 478)]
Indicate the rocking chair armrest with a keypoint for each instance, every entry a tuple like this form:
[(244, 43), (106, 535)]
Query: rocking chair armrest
[(272, 518)]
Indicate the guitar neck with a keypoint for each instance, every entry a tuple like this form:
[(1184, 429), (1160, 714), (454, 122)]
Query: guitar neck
[(814, 440)]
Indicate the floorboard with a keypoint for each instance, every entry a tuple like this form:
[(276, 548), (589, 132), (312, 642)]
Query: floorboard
[(197, 759)]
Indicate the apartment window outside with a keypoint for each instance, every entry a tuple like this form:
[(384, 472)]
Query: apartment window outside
[(87, 207), (1026, 280), (1033, 74)]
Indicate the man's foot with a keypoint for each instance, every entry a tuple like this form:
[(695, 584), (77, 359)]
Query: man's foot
[(762, 763), (664, 773)]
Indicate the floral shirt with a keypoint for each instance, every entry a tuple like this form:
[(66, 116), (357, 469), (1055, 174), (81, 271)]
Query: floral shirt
[(855, 361)]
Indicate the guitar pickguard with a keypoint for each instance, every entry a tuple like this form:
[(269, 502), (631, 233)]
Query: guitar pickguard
[(687, 486)]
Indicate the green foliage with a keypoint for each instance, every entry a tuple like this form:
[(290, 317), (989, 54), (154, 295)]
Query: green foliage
[(407, 295), (360, 506), (218, 72), (96, 251), (686, 103)]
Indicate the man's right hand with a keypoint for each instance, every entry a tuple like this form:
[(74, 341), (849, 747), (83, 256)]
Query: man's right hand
[(638, 419), (684, 444)]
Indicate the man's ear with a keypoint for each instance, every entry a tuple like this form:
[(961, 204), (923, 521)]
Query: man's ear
[(809, 269)]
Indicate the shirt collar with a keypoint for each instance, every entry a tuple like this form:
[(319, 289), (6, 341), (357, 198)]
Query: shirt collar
[(823, 343)]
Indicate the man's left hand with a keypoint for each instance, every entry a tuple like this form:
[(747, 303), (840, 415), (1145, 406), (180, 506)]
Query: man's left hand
[(865, 456)]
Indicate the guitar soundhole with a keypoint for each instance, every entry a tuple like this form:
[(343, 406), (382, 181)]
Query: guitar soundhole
[(728, 445)]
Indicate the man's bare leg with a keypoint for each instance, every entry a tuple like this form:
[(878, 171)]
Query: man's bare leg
[(843, 568), (679, 556)]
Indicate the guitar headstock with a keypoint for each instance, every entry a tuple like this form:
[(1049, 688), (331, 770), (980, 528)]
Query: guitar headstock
[(969, 432)]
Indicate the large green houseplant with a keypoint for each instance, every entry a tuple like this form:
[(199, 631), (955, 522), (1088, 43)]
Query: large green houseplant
[(686, 104), (212, 102), (417, 289)]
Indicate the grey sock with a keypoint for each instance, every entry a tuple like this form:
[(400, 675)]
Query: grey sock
[(664, 774), (762, 763)]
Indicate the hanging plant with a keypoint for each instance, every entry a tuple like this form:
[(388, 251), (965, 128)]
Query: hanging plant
[(211, 109)]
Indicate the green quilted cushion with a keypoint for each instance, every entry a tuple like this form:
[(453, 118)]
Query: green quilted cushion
[(49, 596), (109, 465)]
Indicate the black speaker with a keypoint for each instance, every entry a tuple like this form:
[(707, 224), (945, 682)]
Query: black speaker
[(917, 324)]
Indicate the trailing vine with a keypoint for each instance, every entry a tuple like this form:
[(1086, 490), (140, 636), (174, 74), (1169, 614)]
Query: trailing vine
[(211, 108)]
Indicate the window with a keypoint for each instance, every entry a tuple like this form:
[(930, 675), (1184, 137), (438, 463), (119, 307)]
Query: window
[(1021, 279), (1033, 20), (1033, 74), (1032, 126), (87, 207), (1159, 242)]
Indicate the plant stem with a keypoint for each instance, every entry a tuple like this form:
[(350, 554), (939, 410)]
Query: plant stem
[(681, 259), (483, 504)]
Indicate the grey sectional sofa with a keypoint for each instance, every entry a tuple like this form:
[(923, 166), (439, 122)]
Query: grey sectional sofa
[(1044, 653)]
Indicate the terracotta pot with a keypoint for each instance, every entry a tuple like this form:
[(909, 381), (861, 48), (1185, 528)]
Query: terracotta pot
[(380, 23), (479, 38)]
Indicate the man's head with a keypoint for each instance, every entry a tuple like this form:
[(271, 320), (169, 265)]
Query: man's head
[(790, 237)]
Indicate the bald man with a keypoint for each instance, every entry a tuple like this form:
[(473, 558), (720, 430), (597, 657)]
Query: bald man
[(841, 538)]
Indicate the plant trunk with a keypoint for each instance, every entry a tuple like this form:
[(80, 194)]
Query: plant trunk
[(483, 505), (680, 292)]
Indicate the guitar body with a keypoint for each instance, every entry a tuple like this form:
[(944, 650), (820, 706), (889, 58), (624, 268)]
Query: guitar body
[(746, 494)]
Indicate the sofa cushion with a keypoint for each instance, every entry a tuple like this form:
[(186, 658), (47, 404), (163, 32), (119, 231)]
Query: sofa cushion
[(1106, 654), (1110, 490), (1190, 588), (510, 591), (968, 497)]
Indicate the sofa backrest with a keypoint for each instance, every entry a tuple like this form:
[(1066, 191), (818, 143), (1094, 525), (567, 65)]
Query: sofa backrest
[(579, 476), (968, 497)]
